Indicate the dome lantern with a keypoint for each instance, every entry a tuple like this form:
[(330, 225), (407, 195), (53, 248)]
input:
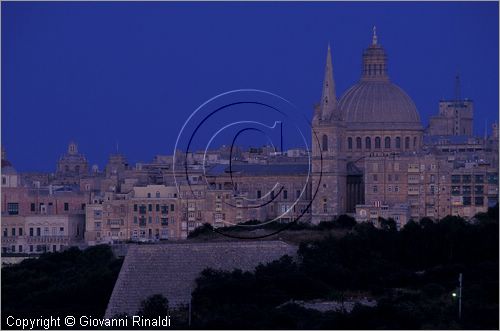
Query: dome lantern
[(374, 61)]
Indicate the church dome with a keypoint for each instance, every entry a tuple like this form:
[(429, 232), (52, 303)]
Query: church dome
[(379, 104), (375, 103)]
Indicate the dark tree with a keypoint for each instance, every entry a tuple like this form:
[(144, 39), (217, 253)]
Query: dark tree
[(154, 306)]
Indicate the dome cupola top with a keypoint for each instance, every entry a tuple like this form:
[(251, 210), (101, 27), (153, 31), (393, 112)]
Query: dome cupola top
[(374, 61)]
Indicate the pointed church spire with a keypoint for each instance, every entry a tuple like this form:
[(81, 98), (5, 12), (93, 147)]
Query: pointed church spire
[(328, 98)]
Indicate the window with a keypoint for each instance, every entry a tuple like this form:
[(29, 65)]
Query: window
[(164, 209), (142, 209), (358, 143), (13, 208), (493, 178), (5, 232), (478, 189), (172, 208), (4, 180), (375, 189), (398, 142), (479, 201), (97, 214), (324, 143), (467, 201), (349, 143), (31, 248), (164, 221), (375, 178), (157, 194), (368, 143), (150, 220), (135, 207), (66, 206), (150, 207), (272, 195), (135, 219), (297, 194), (414, 142), (325, 208), (479, 178), (285, 194), (13, 231), (387, 142), (32, 208), (38, 232), (466, 190), (407, 143), (149, 195), (259, 194), (20, 231), (157, 207), (377, 142)]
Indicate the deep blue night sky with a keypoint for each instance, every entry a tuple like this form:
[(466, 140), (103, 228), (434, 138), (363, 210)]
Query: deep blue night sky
[(133, 72)]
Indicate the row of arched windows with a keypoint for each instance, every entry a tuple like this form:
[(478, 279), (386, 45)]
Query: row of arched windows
[(388, 143)]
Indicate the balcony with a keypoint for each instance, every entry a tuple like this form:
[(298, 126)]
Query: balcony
[(48, 239), (413, 169)]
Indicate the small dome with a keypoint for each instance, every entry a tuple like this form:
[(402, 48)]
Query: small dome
[(378, 104), (7, 168)]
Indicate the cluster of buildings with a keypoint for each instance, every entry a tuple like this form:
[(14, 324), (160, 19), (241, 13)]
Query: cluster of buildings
[(370, 157)]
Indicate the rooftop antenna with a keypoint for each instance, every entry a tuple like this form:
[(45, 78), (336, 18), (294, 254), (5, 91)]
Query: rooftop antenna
[(374, 38), (458, 88)]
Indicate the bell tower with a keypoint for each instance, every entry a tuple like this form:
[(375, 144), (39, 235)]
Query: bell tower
[(328, 162)]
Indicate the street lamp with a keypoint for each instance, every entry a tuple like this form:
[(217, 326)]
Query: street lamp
[(459, 296)]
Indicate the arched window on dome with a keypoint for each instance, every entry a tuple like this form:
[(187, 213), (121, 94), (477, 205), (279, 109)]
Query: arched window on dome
[(324, 143), (377, 142), (407, 143), (368, 143), (398, 142), (387, 143), (415, 142), (358, 142), (349, 143)]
